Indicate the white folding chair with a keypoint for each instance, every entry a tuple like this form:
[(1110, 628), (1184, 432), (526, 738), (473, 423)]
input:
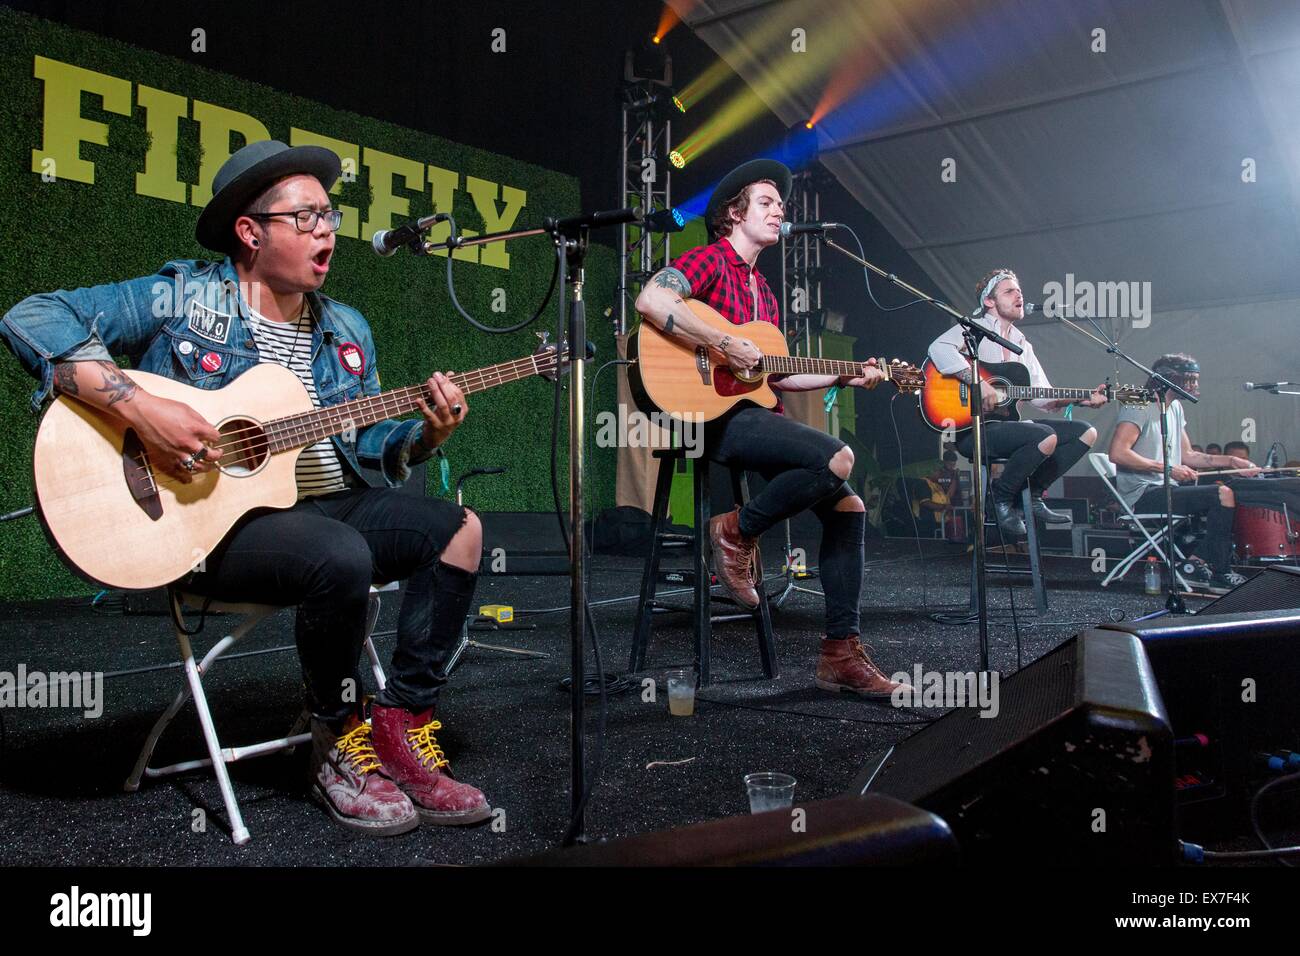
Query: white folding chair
[(1143, 523), (218, 756)]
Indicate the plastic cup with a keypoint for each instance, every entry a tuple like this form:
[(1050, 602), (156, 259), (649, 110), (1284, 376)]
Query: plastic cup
[(769, 791), (681, 692)]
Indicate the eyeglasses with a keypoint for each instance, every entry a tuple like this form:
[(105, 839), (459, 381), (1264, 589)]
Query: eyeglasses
[(306, 219)]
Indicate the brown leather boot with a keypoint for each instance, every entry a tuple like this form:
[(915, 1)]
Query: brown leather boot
[(733, 557), (845, 666)]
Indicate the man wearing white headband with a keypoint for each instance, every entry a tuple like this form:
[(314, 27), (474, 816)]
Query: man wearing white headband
[(1037, 451)]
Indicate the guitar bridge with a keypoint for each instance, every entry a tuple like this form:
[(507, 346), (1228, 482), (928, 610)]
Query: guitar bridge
[(964, 392), (702, 365), (139, 476)]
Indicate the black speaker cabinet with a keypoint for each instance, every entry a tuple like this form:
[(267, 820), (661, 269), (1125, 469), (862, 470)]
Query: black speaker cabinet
[(1076, 768), (842, 831), (1231, 687), (1273, 589)]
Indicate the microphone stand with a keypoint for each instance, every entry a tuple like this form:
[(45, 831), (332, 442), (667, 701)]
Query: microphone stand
[(570, 237), (1173, 600), (973, 333)]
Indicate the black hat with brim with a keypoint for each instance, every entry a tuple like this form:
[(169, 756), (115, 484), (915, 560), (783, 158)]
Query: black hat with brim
[(742, 176), (246, 174)]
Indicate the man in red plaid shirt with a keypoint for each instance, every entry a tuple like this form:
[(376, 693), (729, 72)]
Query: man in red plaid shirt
[(804, 468)]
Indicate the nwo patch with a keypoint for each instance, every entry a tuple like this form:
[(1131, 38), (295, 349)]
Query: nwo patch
[(208, 323)]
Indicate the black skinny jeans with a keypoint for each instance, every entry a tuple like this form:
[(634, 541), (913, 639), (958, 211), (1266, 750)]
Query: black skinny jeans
[(322, 555), (795, 461), (1199, 500), (1018, 443)]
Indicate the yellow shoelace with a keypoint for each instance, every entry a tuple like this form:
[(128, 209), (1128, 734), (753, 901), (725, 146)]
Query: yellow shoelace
[(356, 748), (425, 746)]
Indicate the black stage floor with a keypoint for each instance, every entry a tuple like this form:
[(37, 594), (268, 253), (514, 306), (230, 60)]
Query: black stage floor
[(506, 723)]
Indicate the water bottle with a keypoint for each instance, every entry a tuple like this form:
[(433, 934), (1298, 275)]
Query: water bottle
[(1151, 578)]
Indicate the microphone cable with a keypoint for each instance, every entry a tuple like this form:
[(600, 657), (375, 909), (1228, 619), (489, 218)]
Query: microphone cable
[(451, 291)]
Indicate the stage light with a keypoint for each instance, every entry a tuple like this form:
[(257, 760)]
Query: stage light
[(664, 220), (677, 159), (652, 100), (649, 62), (799, 147)]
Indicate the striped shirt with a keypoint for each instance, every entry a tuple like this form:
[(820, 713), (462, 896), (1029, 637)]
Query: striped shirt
[(289, 344)]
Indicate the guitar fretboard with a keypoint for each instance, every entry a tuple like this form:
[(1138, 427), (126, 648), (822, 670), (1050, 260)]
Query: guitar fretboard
[(306, 428), (1029, 392), (805, 365)]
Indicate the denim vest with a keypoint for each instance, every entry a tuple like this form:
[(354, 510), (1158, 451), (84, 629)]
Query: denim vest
[(189, 322)]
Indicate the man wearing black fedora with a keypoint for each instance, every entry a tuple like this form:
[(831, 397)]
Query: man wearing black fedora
[(804, 468), (204, 323)]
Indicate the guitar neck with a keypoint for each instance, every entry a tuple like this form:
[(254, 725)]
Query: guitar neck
[(804, 365), (1027, 392), (297, 431)]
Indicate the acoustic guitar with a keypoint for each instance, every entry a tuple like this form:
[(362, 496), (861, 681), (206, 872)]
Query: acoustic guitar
[(122, 523), (946, 401), (694, 383)]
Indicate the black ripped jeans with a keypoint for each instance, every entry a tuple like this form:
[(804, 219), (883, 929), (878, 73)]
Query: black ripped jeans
[(322, 555), (1216, 547), (1018, 443), (795, 460)]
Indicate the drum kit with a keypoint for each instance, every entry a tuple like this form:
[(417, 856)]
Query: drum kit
[(1268, 533)]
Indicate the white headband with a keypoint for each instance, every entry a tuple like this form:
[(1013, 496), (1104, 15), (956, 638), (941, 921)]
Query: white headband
[(993, 283)]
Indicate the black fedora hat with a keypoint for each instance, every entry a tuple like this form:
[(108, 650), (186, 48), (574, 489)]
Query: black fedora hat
[(247, 173), (742, 176)]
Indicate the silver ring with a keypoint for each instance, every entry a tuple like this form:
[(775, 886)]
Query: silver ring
[(456, 409), (188, 464)]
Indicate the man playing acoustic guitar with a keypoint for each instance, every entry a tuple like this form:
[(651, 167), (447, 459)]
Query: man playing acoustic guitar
[(804, 468), (204, 324), (1037, 452)]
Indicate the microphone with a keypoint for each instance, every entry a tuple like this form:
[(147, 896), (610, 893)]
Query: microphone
[(387, 241), (789, 229), (593, 220), (1267, 386)]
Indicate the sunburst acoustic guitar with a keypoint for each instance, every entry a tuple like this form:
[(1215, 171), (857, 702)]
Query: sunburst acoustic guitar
[(945, 401)]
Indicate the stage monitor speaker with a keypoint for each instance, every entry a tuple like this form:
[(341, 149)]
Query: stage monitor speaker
[(844, 831), (1229, 683), (1076, 767), (1276, 588)]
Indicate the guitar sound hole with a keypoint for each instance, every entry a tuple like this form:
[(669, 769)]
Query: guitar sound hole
[(244, 446)]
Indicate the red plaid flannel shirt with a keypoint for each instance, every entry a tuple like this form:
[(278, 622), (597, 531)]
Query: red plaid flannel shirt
[(719, 278)]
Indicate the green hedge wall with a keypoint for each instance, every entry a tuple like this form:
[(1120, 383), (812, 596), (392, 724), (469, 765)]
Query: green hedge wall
[(67, 234)]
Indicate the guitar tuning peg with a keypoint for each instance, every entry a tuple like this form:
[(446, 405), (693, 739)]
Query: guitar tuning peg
[(544, 336)]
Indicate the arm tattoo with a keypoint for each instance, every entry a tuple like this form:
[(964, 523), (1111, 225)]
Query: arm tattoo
[(671, 279), (668, 326), (65, 378), (116, 386), (962, 376)]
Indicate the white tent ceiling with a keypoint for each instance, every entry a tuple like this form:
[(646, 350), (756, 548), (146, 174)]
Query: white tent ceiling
[(1116, 166)]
